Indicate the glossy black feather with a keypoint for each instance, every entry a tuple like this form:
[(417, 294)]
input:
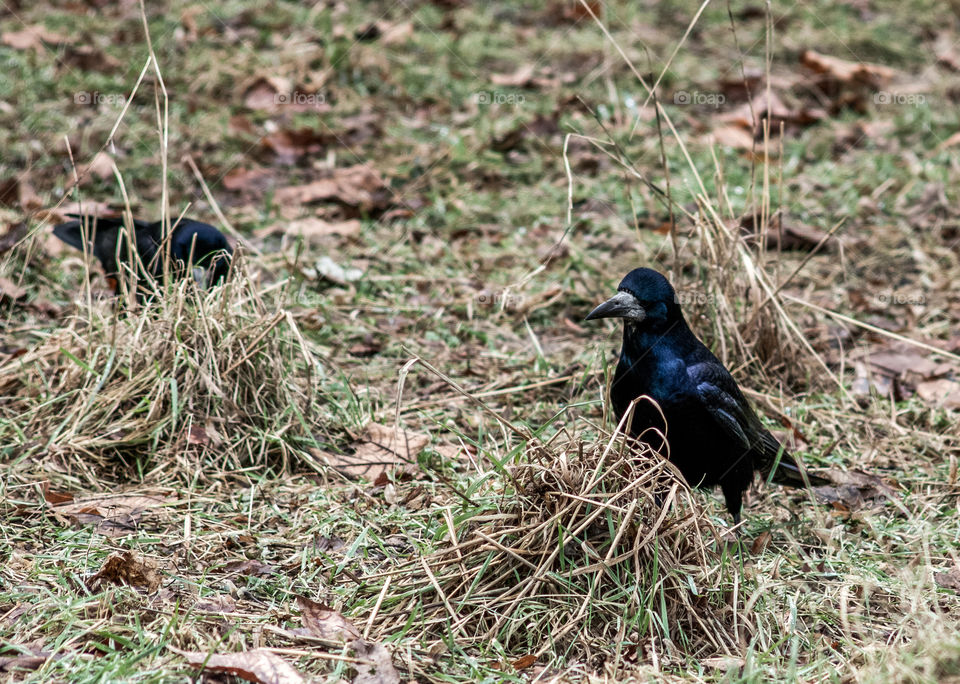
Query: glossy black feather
[(714, 436)]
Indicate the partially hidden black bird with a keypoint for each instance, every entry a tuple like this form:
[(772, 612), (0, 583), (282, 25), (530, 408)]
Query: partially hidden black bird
[(190, 243), (713, 435)]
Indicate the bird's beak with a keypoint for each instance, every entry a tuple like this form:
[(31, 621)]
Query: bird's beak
[(620, 305)]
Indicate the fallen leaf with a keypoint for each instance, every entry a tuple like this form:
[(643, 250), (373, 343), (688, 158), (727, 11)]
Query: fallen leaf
[(521, 78), (246, 179), (88, 58), (786, 234), (30, 37), (114, 515), (761, 543), (54, 497), (942, 392), (313, 227), (290, 145), (15, 233), (197, 435), (737, 137), (259, 665), (127, 568), (219, 603), (326, 623), (376, 664), (359, 186), (381, 450), (265, 91), (949, 579), (100, 166), (9, 290), (249, 567), (846, 71), (900, 363), (524, 662), (852, 490)]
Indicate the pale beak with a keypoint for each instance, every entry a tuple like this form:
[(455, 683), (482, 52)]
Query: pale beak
[(620, 305)]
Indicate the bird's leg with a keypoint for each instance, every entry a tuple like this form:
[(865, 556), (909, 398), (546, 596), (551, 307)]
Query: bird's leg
[(733, 496)]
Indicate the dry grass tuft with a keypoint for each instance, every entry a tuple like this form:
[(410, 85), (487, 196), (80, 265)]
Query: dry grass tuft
[(195, 378), (589, 550)]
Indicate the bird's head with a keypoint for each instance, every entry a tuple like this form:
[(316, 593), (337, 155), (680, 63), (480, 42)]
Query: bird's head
[(644, 299), (204, 246)]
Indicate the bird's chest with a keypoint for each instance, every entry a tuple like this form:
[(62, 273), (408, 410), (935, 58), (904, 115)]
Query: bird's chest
[(659, 375)]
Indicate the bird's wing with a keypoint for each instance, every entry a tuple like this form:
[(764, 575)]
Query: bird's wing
[(719, 395)]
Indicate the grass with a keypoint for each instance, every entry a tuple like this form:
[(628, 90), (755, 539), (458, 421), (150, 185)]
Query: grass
[(190, 433)]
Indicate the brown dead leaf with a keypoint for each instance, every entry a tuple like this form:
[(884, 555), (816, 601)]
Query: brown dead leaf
[(246, 179), (10, 291), (736, 137), (900, 363), (31, 37), (14, 234), (949, 579), (326, 623), (521, 78), (259, 665), (249, 567), (376, 664), (17, 192), (266, 91), (761, 543), (769, 107), (34, 659), (89, 58), (198, 435), (100, 166), (786, 234), (846, 71), (54, 497), (218, 603), (313, 227), (381, 450), (942, 392), (114, 515), (524, 662), (127, 568), (289, 145), (359, 186), (853, 490)]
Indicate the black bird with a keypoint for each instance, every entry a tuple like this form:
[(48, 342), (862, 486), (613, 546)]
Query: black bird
[(190, 242), (714, 436)]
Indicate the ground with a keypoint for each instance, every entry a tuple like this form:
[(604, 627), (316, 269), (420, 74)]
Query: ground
[(351, 453)]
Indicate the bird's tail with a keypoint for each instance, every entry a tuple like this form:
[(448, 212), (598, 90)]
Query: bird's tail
[(790, 473)]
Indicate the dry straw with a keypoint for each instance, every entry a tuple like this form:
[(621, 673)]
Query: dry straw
[(587, 550), (222, 373)]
